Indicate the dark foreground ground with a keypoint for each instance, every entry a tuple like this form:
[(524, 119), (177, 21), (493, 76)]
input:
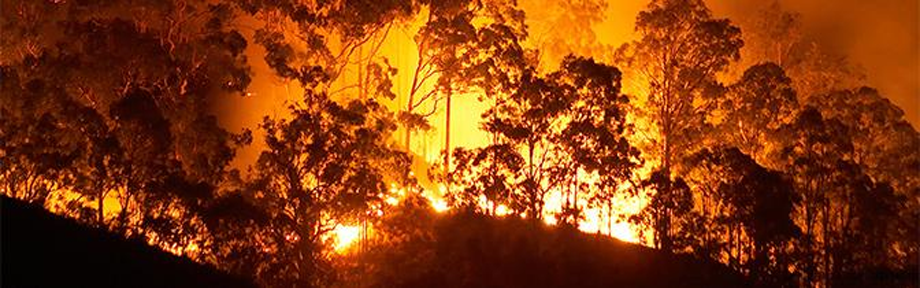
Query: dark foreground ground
[(470, 250), (40, 249)]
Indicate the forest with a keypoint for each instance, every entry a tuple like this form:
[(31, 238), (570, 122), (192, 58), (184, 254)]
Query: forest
[(313, 143)]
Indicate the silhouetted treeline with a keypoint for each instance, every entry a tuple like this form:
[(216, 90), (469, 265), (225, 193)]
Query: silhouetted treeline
[(787, 174)]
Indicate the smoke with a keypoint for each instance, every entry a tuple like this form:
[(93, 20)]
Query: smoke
[(881, 38)]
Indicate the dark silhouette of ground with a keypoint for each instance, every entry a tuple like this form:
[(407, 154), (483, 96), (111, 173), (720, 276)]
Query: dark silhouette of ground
[(40, 249), (470, 250)]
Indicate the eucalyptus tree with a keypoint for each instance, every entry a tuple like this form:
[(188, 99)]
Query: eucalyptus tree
[(324, 167), (681, 49), (754, 109), (550, 132), (129, 85)]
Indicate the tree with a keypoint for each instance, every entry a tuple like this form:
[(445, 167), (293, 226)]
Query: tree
[(550, 132), (326, 35), (755, 108), (523, 127), (463, 46), (130, 87), (668, 213), (883, 151), (776, 35), (680, 51), (865, 248), (36, 147), (830, 181), (772, 35), (815, 148), (748, 211), (325, 166), (144, 133), (884, 143), (595, 136), (560, 28), (487, 177)]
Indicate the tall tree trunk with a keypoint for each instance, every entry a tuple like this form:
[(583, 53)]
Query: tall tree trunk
[(447, 137), (826, 244), (100, 214), (532, 192)]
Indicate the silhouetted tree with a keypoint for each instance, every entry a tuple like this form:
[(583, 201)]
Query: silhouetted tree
[(749, 213), (322, 168), (830, 180), (522, 121), (313, 44), (487, 177), (886, 147), (36, 147), (754, 109), (131, 86), (549, 133), (463, 46), (669, 213), (854, 171), (884, 143), (594, 137), (680, 50), (816, 147)]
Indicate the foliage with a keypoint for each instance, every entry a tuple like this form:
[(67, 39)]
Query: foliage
[(680, 50), (669, 213), (549, 132), (748, 213), (322, 168), (755, 108)]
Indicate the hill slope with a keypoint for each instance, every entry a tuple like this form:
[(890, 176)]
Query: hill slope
[(469, 250), (40, 249)]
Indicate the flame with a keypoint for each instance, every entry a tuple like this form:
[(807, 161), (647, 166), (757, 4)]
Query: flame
[(439, 205), (344, 236), (595, 220), (624, 232)]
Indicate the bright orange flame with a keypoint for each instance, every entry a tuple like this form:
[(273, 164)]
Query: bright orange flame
[(623, 232), (438, 204), (344, 236)]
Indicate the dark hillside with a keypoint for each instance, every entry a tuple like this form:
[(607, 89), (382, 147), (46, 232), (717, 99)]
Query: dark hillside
[(40, 249), (470, 250)]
